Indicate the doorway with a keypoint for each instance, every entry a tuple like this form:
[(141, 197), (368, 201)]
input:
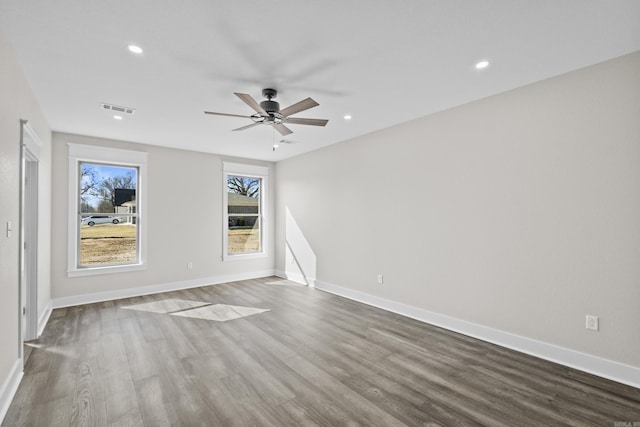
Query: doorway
[(29, 159)]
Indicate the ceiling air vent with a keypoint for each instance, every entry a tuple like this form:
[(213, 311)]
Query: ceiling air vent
[(117, 108)]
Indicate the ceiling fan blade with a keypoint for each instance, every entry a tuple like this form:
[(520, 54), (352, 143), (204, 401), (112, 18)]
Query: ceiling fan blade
[(226, 114), (247, 126), (305, 104), (247, 99), (312, 122), (282, 129)]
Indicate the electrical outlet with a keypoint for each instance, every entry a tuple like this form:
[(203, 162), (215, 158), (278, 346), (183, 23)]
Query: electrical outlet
[(190, 265), (380, 279), (592, 323)]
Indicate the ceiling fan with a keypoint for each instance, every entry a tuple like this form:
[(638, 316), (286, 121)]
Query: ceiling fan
[(268, 112)]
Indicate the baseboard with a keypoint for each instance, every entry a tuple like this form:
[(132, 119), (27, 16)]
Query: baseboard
[(155, 289), (605, 368), (298, 278), (44, 318), (9, 388)]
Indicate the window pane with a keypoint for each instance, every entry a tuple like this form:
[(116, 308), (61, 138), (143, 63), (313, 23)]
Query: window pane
[(107, 243), (108, 215), (243, 208), (244, 234), (243, 194)]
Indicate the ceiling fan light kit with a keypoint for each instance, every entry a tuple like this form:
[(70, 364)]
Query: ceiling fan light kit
[(268, 112)]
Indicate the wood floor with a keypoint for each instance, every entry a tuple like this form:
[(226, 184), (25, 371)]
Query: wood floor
[(314, 359)]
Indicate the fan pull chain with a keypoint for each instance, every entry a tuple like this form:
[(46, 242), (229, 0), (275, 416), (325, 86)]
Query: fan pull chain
[(273, 138)]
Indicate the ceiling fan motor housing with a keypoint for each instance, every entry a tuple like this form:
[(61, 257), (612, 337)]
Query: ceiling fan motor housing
[(270, 106)]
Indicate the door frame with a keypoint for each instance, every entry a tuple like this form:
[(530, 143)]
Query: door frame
[(29, 167)]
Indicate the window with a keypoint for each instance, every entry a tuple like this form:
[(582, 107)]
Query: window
[(107, 215), (244, 207), (106, 204)]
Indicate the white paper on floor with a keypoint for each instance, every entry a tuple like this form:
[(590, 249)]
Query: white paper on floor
[(220, 312), (166, 305)]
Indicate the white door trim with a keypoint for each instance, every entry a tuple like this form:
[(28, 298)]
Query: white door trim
[(29, 161)]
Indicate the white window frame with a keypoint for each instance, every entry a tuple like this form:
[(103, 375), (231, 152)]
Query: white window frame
[(94, 154), (251, 171)]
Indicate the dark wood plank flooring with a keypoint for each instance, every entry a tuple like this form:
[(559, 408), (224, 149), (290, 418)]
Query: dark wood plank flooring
[(315, 359)]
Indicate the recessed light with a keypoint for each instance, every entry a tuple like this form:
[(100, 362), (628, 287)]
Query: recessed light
[(135, 49), (347, 117), (117, 117), (482, 65)]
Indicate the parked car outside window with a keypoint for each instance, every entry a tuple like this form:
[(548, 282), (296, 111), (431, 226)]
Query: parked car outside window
[(99, 219)]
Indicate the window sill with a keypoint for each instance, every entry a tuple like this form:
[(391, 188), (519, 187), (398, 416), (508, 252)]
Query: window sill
[(244, 257), (95, 271)]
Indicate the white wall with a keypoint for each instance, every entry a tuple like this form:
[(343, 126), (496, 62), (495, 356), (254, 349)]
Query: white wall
[(184, 203), (519, 212), (17, 102)]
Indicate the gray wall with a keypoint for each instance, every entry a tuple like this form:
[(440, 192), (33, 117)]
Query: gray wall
[(519, 212), (184, 203), (17, 102)]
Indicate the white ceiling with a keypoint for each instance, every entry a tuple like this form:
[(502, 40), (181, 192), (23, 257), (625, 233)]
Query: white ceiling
[(383, 62)]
